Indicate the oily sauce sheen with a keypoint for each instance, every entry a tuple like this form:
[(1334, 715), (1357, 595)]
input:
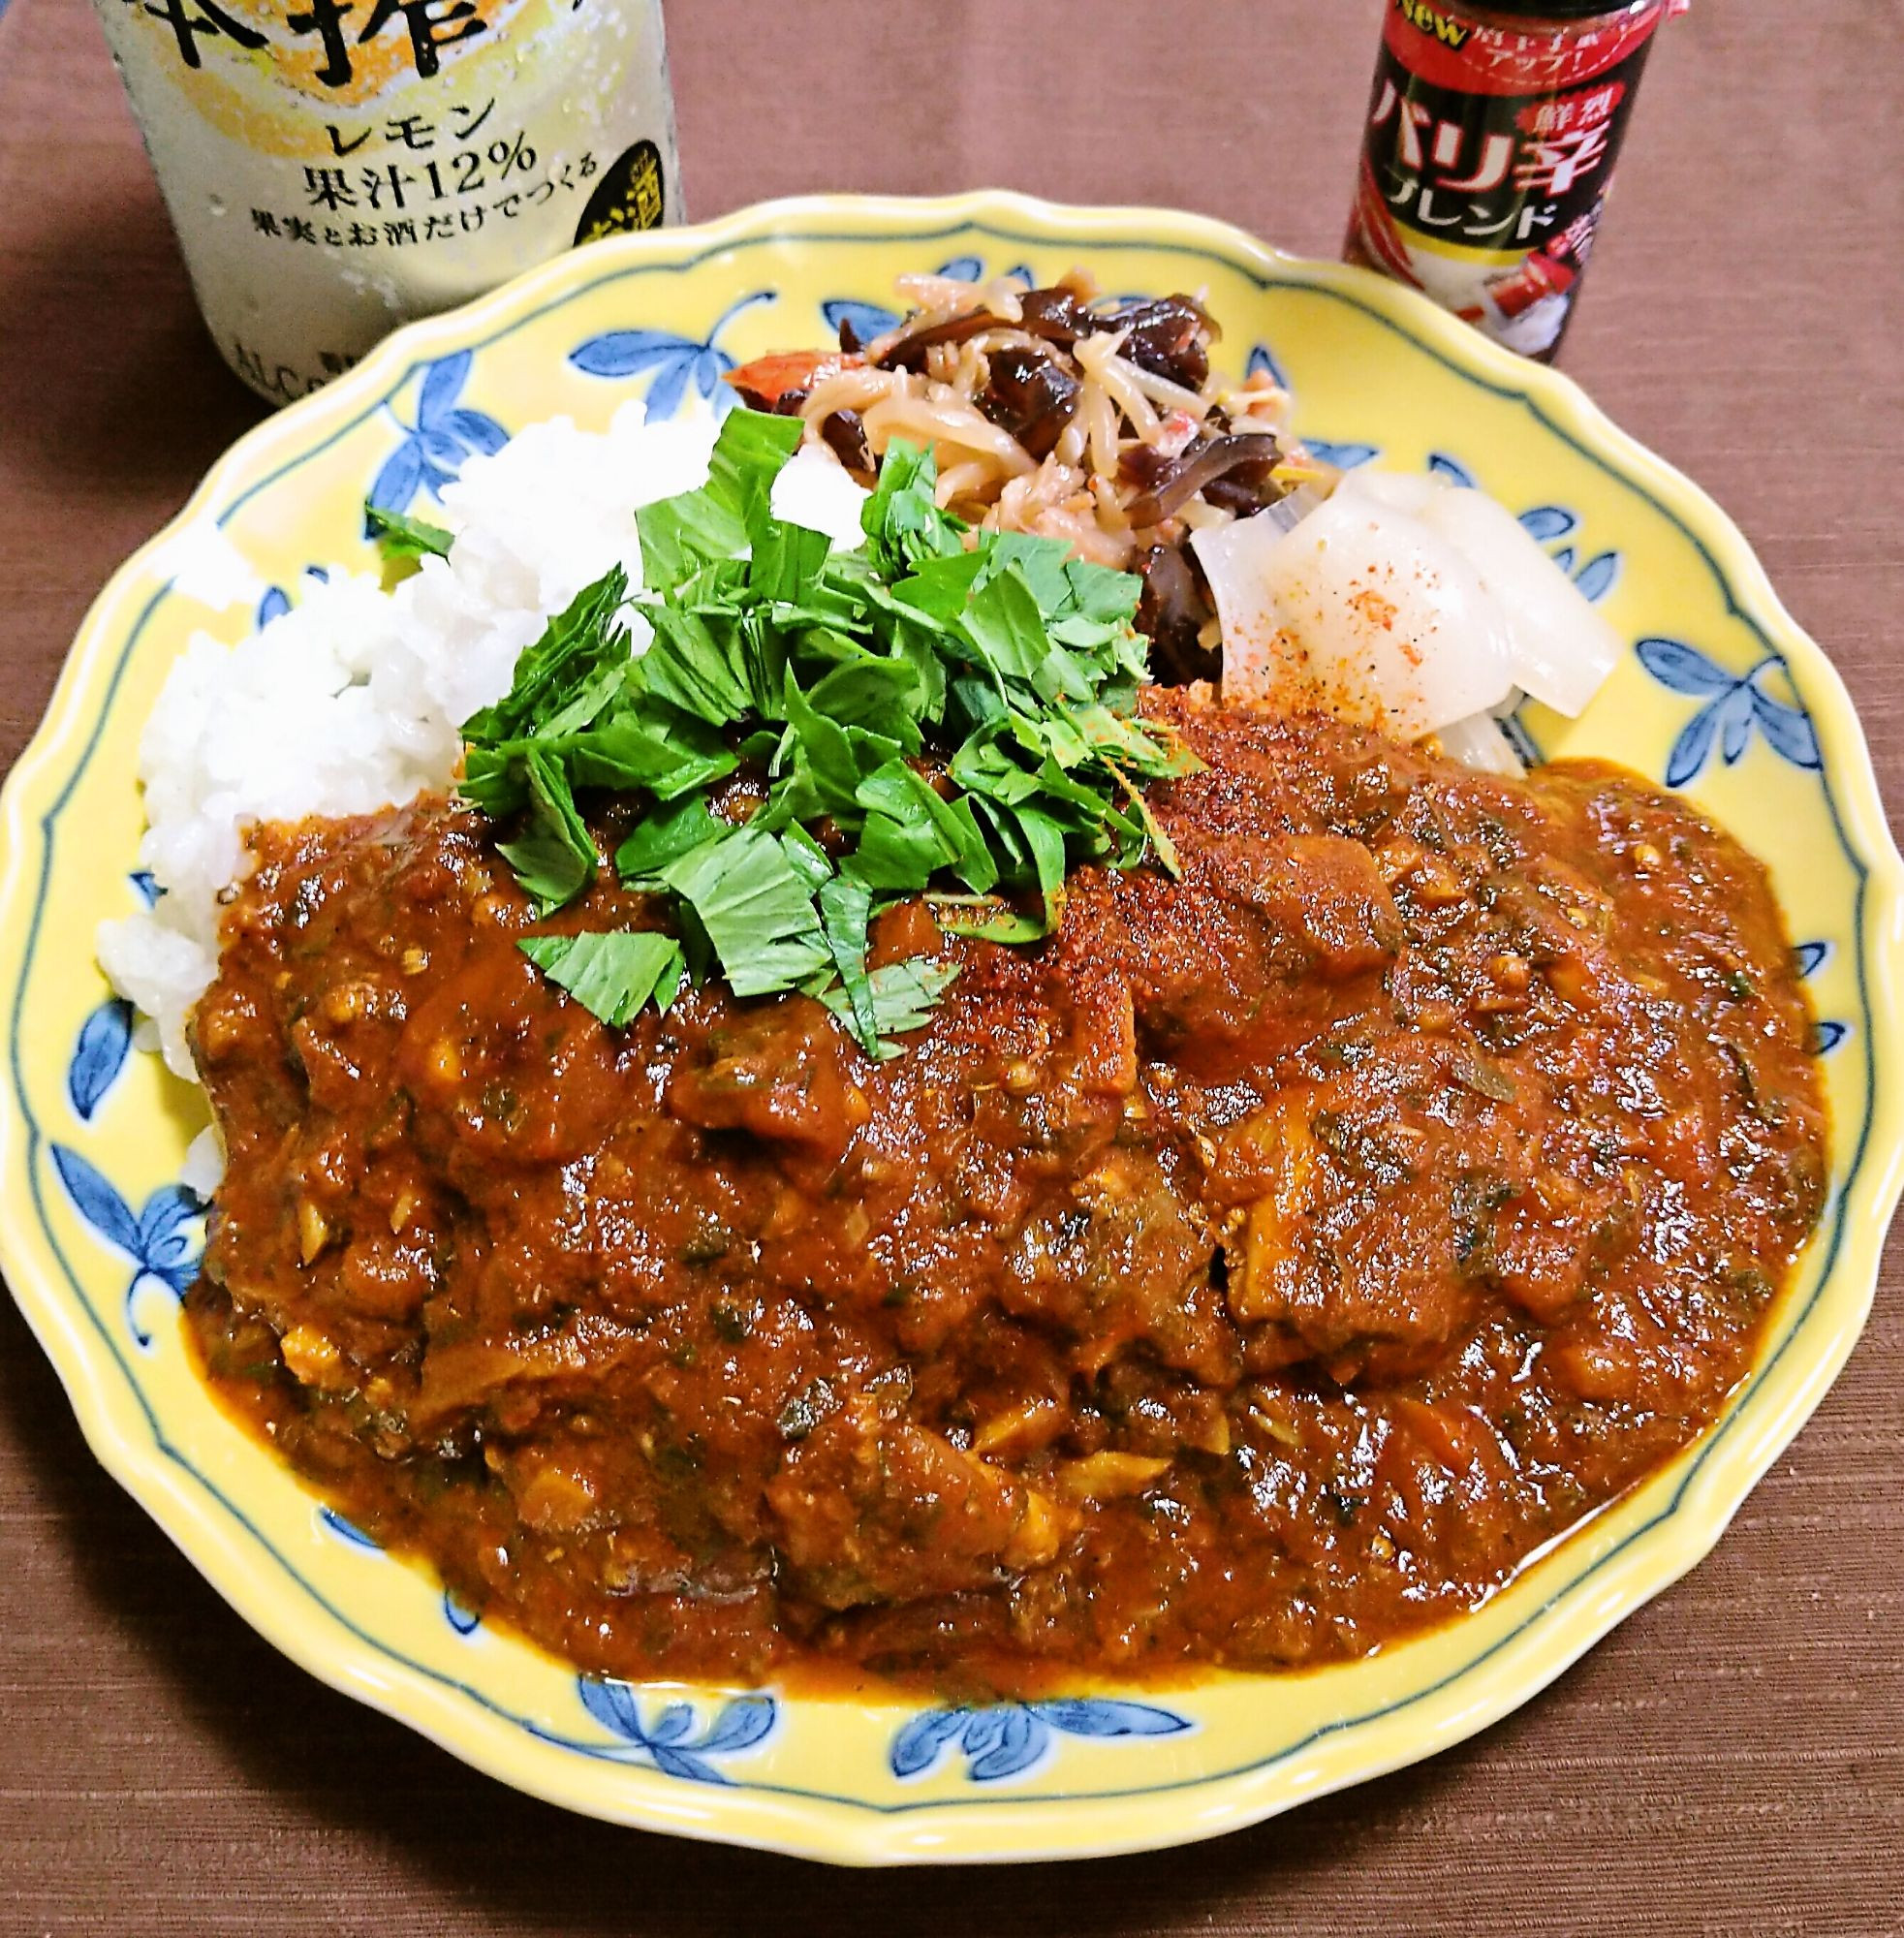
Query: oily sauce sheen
[(1254, 1272)]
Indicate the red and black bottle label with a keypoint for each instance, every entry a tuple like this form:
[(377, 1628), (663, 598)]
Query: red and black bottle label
[(1488, 158)]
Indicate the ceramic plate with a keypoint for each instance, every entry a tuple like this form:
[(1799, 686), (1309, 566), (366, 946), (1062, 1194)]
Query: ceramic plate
[(1720, 695)]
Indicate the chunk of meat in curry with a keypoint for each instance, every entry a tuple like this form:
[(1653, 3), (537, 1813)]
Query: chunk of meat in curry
[(1256, 1271)]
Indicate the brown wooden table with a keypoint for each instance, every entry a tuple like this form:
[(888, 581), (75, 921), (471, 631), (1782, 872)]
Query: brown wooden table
[(1730, 1760)]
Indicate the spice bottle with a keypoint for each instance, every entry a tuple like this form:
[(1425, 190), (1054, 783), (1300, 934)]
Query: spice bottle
[(334, 168), (1491, 137)]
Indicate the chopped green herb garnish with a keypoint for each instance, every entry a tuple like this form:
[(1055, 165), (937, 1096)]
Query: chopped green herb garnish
[(402, 541), (987, 917), (583, 646), (846, 908), (610, 974), (755, 905), (900, 995), (835, 679), (554, 856), (674, 829)]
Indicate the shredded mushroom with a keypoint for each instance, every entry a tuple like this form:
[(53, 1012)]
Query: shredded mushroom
[(1051, 411)]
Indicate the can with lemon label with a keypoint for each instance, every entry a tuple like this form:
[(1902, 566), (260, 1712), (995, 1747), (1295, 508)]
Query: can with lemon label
[(334, 168)]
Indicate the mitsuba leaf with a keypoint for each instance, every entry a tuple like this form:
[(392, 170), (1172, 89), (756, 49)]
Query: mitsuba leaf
[(749, 453), (1166, 848), (900, 997), (610, 974), (587, 703), (902, 520), (786, 561), (940, 588), (695, 666), (673, 830), (667, 751), (987, 918), (403, 541), (1045, 840), (755, 910), (806, 858), (554, 855), (1003, 621), (845, 910), (829, 676), (886, 696), (1100, 593), (896, 857), (1039, 562), (718, 521), (911, 832), (494, 780), (576, 645), (827, 760)]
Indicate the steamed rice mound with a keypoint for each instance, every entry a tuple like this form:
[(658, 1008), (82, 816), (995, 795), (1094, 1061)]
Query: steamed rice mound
[(354, 700)]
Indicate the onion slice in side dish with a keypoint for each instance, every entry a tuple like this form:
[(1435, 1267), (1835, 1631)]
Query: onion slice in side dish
[(1478, 742), (1563, 650), (1410, 603)]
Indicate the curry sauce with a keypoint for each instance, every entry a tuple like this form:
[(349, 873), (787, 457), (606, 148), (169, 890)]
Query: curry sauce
[(1258, 1271)]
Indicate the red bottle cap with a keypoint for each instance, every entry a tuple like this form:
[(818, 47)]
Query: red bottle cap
[(1556, 9)]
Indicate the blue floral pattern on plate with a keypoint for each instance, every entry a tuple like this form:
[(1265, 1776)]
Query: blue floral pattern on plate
[(670, 362), (157, 1237), (664, 1738), (1262, 363), (1736, 708), (276, 601), (1343, 457), (437, 445), (347, 1531), (106, 1036), (99, 1055), (1004, 1740), (1808, 958)]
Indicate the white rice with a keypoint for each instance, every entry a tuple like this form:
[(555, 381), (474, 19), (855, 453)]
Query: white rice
[(351, 701)]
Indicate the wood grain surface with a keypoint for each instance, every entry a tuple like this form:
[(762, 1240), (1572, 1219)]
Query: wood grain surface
[(1727, 1762)]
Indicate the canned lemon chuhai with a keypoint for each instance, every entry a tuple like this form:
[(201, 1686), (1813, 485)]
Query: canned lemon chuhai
[(334, 168)]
